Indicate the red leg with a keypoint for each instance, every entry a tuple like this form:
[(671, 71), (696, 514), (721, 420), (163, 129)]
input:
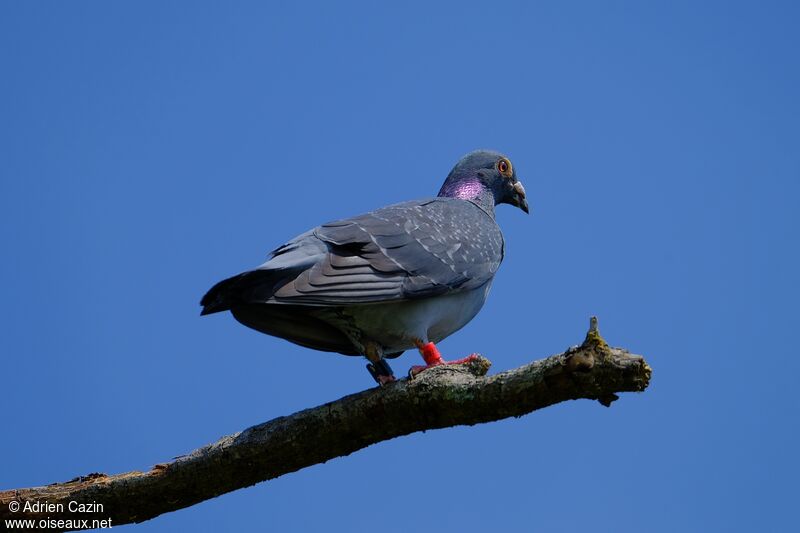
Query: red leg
[(430, 353)]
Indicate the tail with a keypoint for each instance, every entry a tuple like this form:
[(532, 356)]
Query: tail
[(247, 287), (220, 296)]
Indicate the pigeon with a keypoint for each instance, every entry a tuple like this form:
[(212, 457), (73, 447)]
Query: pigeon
[(375, 285)]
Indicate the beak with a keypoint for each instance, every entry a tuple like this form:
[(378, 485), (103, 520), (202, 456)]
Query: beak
[(519, 199)]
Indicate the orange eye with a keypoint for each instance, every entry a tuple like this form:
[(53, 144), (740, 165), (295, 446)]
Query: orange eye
[(504, 166)]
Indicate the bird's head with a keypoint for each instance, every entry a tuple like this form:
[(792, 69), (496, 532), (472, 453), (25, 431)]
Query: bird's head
[(487, 178)]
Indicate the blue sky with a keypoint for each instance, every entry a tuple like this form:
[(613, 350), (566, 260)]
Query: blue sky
[(150, 149)]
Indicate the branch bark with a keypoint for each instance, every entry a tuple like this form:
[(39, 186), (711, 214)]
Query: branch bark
[(440, 397)]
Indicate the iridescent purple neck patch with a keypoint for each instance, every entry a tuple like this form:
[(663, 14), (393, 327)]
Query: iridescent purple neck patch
[(466, 190)]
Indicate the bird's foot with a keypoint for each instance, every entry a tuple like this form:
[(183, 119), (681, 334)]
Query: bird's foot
[(430, 353), (385, 380), (381, 372)]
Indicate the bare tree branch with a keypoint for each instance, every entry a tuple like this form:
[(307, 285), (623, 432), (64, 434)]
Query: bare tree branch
[(440, 397)]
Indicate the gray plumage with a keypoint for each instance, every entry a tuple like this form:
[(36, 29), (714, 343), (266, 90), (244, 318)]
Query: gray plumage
[(413, 271)]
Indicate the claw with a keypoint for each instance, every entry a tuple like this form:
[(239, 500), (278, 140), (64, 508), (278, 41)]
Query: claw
[(434, 361), (381, 372), (385, 380), (416, 369)]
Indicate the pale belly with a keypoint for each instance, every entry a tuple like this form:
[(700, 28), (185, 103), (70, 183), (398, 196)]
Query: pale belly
[(396, 326)]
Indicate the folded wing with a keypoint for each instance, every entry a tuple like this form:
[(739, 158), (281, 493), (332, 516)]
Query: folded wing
[(405, 251)]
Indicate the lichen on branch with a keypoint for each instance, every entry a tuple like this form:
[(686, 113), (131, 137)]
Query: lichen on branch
[(440, 397)]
